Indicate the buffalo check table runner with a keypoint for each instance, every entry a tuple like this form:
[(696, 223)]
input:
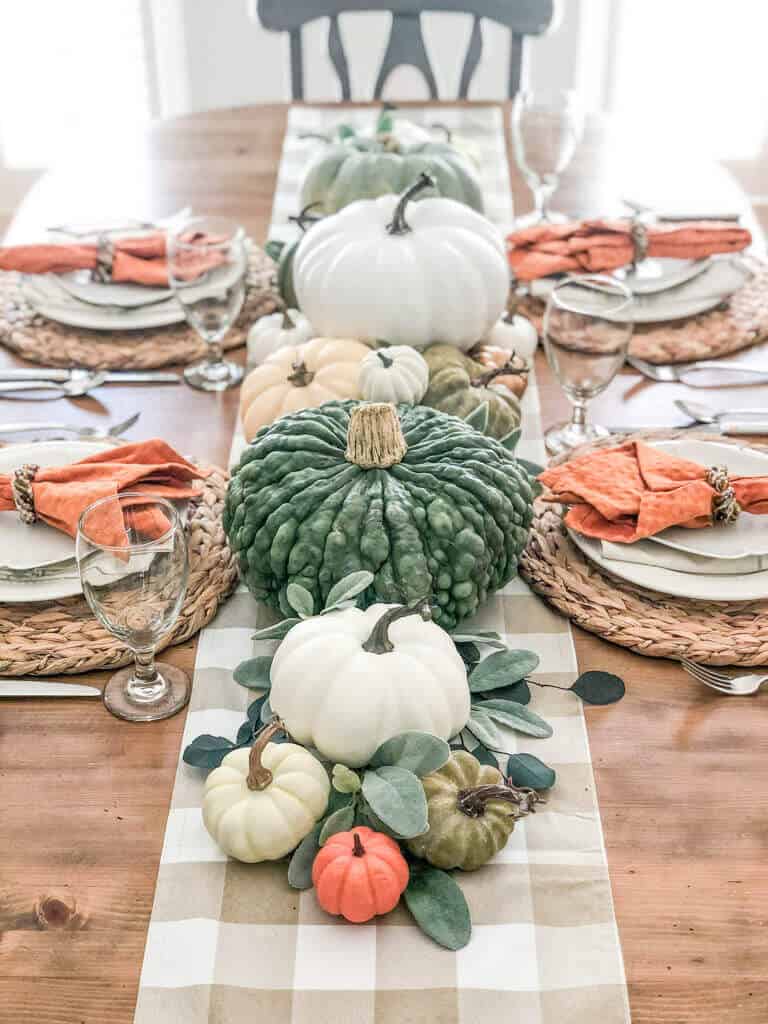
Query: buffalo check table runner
[(232, 943)]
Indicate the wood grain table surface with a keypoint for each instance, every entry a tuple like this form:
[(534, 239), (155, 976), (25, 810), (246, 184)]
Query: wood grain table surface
[(681, 773)]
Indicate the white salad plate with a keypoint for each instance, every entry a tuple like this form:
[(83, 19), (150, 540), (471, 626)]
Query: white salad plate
[(50, 299), (34, 547), (747, 536), (80, 285)]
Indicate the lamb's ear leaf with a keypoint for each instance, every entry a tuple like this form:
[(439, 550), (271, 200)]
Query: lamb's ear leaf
[(300, 599), (479, 417), (300, 866), (254, 673), (347, 589), (438, 907), (510, 440)]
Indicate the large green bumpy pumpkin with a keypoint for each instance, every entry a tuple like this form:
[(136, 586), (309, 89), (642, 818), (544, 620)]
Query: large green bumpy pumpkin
[(369, 166), (420, 499)]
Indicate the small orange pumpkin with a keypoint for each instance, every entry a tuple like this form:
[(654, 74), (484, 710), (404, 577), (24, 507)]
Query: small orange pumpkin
[(494, 358), (359, 874)]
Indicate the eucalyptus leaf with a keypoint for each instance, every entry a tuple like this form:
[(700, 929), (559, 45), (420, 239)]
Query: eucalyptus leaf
[(418, 752), (348, 588), (340, 821), (510, 440), (207, 751), (479, 636), (519, 691), (254, 673), (438, 907), (267, 714), (485, 756), (527, 770), (300, 866), (502, 669), (254, 710), (337, 800), (397, 797), (277, 631), (514, 716), (273, 248), (482, 726), (245, 734), (599, 688), (300, 599), (344, 779), (468, 740), (470, 655), (479, 417), (365, 816)]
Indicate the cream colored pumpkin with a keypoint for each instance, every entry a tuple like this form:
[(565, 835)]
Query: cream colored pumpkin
[(397, 373), (300, 377), (280, 330), (348, 681), (261, 802), (514, 333)]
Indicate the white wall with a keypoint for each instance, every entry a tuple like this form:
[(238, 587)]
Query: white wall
[(226, 58)]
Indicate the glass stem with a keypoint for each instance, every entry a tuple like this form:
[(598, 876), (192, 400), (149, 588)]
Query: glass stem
[(145, 670), (542, 194), (579, 415), (215, 353)]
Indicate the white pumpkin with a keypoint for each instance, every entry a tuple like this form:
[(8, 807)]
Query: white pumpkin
[(280, 330), (413, 273), (514, 333), (348, 681), (261, 802), (395, 374)]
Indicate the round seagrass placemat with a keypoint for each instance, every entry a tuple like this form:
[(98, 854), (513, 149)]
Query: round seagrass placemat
[(738, 323), (44, 341), (63, 637), (650, 623)]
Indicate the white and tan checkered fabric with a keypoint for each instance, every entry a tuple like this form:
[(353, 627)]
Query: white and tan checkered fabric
[(232, 943)]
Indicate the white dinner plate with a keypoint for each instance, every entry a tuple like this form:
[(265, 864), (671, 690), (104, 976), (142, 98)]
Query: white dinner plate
[(49, 299), (657, 275), (747, 536), (22, 546)]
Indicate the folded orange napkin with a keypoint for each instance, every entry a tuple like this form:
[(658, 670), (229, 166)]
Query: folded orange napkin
[(62, 493), (139, 260), (633, 491), (600, 245)]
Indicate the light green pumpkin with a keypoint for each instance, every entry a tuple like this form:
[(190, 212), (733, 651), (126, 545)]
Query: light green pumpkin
[(366, 167), (315, 498)]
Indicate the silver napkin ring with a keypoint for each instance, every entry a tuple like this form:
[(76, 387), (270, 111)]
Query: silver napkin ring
[(639, 235), (23, 497), (725, 507), (105, 255)]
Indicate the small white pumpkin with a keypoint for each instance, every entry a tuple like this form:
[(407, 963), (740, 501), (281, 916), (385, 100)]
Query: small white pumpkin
[(514, 333), (260, 803), (348, 681), (413, 273), (280, 330), (395, 374)]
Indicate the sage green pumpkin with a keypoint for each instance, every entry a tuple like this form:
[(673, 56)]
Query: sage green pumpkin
[(361, 166), (439, 511), (470, 818), (457, 386)]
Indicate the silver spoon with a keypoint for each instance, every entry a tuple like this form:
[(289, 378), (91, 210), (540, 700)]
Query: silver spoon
[(706, 414), (78, 385)]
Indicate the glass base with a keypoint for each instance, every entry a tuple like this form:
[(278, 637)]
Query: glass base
[(126, 698), (213, 376), (564, 437), (532, 219)]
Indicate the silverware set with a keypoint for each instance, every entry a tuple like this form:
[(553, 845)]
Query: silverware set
[(74, 383), (80, 433), (685, 373)]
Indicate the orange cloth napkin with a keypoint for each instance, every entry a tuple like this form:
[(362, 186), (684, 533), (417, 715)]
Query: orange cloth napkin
[(633, 491), (62, 493), (600, 245), (139, 260)]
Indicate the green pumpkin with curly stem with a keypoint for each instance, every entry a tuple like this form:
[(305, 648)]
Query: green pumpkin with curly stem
[(423, 501)]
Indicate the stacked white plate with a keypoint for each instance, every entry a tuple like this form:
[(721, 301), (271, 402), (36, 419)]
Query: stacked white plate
[(724, 563), (78, 301)]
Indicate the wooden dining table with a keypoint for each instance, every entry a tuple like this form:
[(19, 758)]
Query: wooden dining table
[(681, 772)]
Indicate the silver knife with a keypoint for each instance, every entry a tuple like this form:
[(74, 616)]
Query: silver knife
[(732, 427), (113, 377), (43, 688)]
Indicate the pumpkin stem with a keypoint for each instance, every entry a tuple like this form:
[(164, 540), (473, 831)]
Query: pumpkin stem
[(398, 224), (260, 777), (440, 127), (374, 436), (287, 324), (300, 376), (303, 219), (498, 371), (358, 849), (378, 642), (472, 801), (386, 360)]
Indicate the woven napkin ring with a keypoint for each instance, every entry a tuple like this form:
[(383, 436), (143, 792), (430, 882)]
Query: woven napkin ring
[(21, 488), (105, 254), (725, 508)]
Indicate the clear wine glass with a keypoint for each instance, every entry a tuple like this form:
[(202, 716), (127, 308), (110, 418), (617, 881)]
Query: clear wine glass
[(207, 264), (546, 128), (132, 557), (587, 329)]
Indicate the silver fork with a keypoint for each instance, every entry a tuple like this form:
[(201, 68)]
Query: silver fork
[(82, 432), (734, 686), (670, 374)]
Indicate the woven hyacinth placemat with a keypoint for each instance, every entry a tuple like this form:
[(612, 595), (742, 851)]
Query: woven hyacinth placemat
[(56, 637), (44, 341), (650, 623), (738, 323)]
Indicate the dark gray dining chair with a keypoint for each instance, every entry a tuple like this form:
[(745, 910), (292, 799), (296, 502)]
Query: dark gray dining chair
[(406, 40)]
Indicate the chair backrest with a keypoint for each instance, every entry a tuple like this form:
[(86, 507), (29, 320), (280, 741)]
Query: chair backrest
[(406, 41)]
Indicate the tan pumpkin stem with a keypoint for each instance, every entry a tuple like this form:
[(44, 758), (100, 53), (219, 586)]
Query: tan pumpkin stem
[(374, 436), (472, 801), (378, 642), (358, 849), (260, 777), (300, 376), (498, 371)]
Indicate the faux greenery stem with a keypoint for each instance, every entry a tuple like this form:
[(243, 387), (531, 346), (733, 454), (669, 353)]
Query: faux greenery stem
[(398, 224), (498, 371), (260, 777), (378, 642)]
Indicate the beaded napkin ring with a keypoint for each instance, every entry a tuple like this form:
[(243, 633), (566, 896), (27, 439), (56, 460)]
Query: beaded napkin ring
[(725, 508), (21, 488)]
